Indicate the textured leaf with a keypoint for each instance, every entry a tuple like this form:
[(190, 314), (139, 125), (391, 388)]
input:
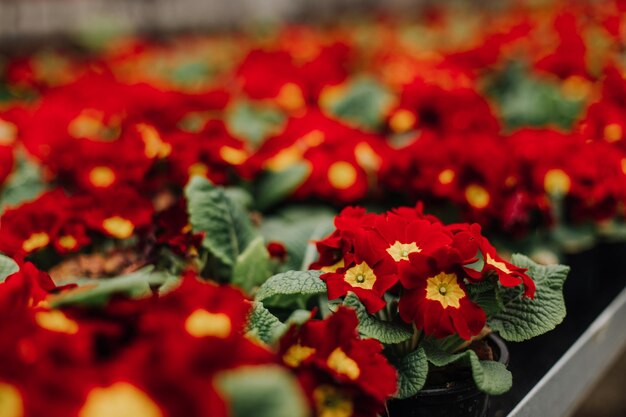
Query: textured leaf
[(291, 288), (253, 123), (7, 267), (486, 294), (262, 391), (252, 266), (25, 183), (490, 377), (372, 327), (296, 228), (226, 226), (363, 102), (263, 325), (98, 292), (524, 318), (412, 373), (298, 317), (525, 99), (276, 186)]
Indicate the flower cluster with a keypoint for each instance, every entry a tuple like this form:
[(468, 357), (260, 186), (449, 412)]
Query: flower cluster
[(342, 375), (346, 114), (164, 356), (429, 266)]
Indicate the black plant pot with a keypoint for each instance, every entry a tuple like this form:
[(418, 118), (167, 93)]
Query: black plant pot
[(456, 399)]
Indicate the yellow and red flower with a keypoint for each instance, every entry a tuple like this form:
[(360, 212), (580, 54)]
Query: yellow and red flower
[(341, 375)]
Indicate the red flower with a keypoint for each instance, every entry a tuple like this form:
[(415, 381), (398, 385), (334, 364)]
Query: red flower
[(333, 249), (292, 81), (32, 226), (212, 153), (366, 272), (437, 300), (26, 288), (277, 251), (341, 161), (443, 101), (174, 232), (508, 274), (340, 373), (404, 236), (569, 56), (118, 213)]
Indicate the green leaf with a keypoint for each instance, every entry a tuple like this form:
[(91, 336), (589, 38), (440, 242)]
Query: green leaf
[(524, 318), (490, 377), (298, 317), (296, 228), (291, 288), (486, 294), (98, 292), (252, 267), (525, 99), (369, 326), (24, 184), (171, 283), (262, 391), (263, 325), (7, 267), (253, 123), (412, 373), (227, 227), (276, 186), (363, 102), (239, 197)]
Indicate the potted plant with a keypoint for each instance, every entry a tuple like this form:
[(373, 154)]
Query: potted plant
[(438, 297)]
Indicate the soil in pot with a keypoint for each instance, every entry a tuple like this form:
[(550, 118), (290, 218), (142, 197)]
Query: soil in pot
[(450, 392)]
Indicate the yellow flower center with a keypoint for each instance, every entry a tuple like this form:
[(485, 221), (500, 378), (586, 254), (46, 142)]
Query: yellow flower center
[(101, 176), (198, 169), (366, 157), (623, 163), (556, 182), (401, 251), (68, 242), (576, 87), (477, 196), (341, 363), (331, 402), (342, 175), (11, 403), (284, 159), (290, 97), (154, 147), (36, 241), (118, 227), (402, 121), (201, 323), (8, 133), (296, 354), (446, 176), (232, 155), (445, 289), (500, 265), (56, 321), (331, 94), (120, 400), (88, 124), (312, 139), (361, 276), (613, 132), (334, 267)]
